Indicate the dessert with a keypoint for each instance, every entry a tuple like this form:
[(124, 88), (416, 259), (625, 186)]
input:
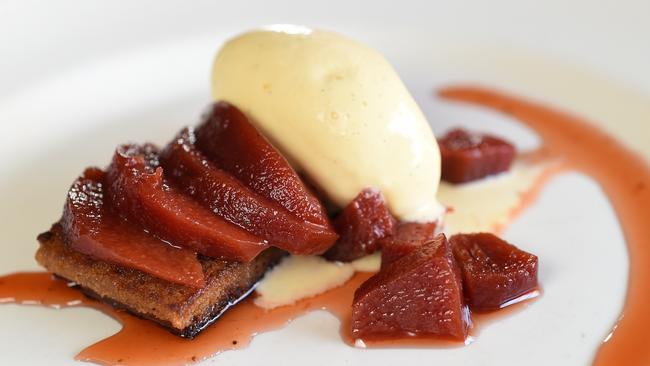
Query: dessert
[(183, 233), (194, 225), (201, 220)]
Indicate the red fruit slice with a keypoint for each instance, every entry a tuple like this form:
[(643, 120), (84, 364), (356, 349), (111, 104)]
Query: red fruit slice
[(232, 143), (138, 192), (467, 157), (419, 294), (494, 272), (91, 229), (224, 195), (361, 225), (408, 237)]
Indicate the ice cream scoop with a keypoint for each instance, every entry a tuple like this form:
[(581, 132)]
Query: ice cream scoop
[(338, 111)]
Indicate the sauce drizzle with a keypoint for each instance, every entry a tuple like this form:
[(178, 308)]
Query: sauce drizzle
[(142, 342)]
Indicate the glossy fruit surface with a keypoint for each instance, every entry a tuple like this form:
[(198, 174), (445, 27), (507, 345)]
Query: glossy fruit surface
[(92, 229), (137, 190), (494, 271), (231, 142), (361, 225), (419, 294), (190, 171), (468, 156), (407, 238)]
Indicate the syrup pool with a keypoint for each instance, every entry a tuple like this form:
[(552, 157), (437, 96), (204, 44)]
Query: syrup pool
[(567, 139), (141, 342)]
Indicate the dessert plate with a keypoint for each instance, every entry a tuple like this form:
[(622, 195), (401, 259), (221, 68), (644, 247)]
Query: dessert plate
[(70, 111)]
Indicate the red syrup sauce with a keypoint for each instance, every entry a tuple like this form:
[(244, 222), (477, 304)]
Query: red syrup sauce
[(142, 342), (569, 140)]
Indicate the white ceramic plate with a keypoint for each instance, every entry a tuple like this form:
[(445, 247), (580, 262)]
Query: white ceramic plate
[(78, 78)]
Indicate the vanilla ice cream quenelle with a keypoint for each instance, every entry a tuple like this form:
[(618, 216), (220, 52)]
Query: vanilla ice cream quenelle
[(338, 111)]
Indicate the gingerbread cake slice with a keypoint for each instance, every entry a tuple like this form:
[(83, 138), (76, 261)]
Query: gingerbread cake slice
[(183, 309)]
